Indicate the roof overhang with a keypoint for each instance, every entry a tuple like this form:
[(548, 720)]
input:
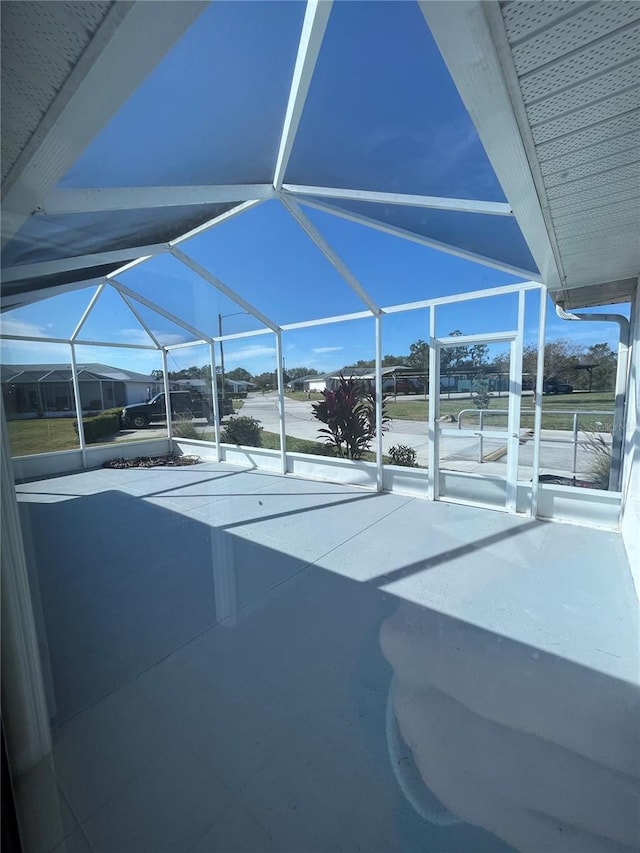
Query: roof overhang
[(553, 89)]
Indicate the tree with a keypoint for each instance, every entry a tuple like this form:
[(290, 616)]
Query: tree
[(239, 374), (265, 381), (453, 357), (418, 358), (604, 374), (299, 372), (479, 355)]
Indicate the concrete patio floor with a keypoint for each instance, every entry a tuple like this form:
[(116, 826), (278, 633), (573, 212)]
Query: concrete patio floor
[(240, 661)]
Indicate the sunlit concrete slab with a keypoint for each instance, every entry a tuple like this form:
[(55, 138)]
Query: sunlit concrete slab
[(296, 666)]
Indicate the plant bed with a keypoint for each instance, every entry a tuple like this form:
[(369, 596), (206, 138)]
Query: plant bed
[(557, 480), (167, 460)]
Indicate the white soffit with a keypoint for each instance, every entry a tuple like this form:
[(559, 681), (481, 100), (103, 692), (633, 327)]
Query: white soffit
[(570, 89), (66, 68)]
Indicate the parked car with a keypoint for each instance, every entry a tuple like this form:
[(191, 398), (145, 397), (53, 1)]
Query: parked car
[(183, 403), (555, 387), (401, 385)]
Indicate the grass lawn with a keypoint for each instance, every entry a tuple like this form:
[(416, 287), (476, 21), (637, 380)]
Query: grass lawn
[(553, 408), (271, 441), (41, 435), (237, 405), (302, 395)]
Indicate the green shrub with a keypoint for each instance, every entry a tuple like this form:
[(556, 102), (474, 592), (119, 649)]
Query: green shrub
[(349, 413), (401, 454), (99, 426), (481, 397), (238, 395), (243, 430), (183, 428)]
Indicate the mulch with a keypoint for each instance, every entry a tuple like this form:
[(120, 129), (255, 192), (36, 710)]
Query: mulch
[(166, 460)]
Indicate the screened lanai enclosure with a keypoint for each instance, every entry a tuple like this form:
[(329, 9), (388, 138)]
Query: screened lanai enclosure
[(279, 648)]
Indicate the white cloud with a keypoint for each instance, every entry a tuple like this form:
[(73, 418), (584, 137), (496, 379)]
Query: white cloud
[(13, 326), (321, 350), (139, 336), (250, 352)]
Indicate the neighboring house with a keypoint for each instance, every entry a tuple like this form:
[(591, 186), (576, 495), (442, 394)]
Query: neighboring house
[(232, 386), (47, 389), (299, 384), (329, 381)]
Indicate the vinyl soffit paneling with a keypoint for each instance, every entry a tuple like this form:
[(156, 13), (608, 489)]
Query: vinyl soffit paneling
[(593, 154), (583, 140), (582, 64), (595, 167), (579, 76), (583, 23), (41, 44)]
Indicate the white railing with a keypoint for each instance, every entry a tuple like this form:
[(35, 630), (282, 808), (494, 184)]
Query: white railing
[(572, 440)]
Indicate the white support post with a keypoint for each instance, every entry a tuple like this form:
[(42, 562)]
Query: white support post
[(515, 393), (433, 490), (537, 418), (167, 398), (283, 431), (379, 455), (25, 716), (87, 311), (313, 28), (216, 404), (76, 394)]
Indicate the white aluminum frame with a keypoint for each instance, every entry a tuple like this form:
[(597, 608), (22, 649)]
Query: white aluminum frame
[(103, 199), (313, 28), (460, 205), (512, 435), (395, 231)]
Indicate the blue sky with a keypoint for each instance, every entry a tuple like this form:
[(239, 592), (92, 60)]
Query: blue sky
[(397, 125), (266, 257)]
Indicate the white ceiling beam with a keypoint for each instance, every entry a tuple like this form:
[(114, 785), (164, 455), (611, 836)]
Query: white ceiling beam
[(204, 273), (341, 268), (153, 306), (86, 312), (313, 29), (217, 220), (23, 272), (422, 241), (21, 297), (135, 198), (460, 205), (38, 340), (326, 321), (127, 45), (465, 40), (136, 314)]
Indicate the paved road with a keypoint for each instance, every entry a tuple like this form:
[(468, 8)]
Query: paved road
[(460, 453)]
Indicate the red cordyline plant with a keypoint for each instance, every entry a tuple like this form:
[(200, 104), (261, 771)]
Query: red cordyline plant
[(349, 413)]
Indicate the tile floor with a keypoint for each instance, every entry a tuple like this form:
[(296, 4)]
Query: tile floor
[(239, 661)]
